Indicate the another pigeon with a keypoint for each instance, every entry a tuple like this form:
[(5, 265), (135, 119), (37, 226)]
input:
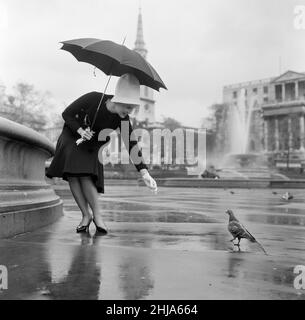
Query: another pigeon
[(287, 196), (239, 231), (232, 192)]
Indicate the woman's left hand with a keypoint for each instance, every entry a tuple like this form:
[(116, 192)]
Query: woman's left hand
[(148, 180)]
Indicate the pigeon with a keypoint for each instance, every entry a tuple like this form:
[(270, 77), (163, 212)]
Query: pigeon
[(287, 196), (274, 192), (239, 231), (232, 192)]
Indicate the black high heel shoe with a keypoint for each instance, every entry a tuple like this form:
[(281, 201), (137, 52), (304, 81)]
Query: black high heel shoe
[(100, 229), (83, 228)]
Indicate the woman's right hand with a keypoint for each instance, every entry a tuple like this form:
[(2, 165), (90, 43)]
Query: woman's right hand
[(85, 134), (149, 180)]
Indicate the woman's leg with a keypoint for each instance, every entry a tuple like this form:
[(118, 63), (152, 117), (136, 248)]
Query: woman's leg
[(80, 199), (91, 196)]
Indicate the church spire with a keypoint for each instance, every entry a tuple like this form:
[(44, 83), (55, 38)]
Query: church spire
[(140, 44)]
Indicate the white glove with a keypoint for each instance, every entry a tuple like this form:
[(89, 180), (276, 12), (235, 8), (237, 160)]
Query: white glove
[(149, 181), (85, 135)]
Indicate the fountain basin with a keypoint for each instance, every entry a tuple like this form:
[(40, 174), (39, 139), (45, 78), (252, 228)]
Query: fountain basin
[(27, 202)]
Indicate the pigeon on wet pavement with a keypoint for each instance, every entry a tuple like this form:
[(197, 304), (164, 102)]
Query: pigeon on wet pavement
[(239, 232), (287, 196)]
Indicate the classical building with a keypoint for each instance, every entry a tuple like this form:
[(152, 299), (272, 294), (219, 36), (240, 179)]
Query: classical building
[(277, 125), (283, 118)]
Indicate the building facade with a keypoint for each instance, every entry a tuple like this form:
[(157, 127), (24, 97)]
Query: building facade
[(277, 125)]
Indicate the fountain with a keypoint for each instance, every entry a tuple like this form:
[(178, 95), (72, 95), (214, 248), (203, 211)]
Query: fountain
[(240, 163), (240, 124)]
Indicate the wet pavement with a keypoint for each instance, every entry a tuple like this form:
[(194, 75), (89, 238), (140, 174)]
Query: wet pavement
[(173, 245)]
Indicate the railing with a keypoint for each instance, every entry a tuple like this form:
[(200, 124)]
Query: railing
[(289, 101)]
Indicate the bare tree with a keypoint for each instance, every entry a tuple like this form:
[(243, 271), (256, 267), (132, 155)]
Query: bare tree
[(27, 106), (171, 123)]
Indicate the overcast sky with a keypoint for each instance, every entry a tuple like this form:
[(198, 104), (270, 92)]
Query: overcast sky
[(197, 46)]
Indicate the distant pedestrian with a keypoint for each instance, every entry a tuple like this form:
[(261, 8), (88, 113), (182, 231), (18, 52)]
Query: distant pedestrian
[(79, 164)]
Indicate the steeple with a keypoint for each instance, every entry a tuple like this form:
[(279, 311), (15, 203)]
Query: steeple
[(146, 110), (140, 44)]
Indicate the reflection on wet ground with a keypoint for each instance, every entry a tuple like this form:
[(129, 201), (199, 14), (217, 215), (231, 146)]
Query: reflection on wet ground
[(171, 245)]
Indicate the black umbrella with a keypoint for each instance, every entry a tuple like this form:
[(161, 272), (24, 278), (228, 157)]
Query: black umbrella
[(114, 60)]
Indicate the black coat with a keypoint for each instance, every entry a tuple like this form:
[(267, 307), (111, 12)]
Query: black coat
[(82, 160)]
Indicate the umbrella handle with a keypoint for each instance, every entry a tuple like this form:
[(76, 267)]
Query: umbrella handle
[(79, 141)]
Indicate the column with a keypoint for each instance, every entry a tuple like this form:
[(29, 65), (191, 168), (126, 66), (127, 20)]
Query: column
[(266, 135), (289, 133), (276, 135), (296, 90), (302, 132), (283, 92)]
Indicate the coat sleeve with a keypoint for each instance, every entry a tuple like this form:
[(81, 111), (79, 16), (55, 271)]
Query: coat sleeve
[(70, 113), (132, 144)]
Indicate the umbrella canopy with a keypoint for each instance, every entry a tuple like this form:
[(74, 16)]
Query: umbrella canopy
[(114, 59)]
